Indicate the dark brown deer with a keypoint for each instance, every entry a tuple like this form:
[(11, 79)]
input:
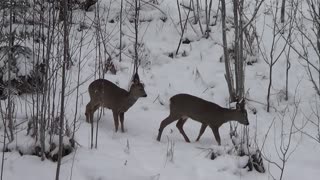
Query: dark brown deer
[(184, 106), (106, 94)]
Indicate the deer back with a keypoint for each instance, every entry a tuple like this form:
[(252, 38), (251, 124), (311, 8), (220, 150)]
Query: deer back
[(105, 93)]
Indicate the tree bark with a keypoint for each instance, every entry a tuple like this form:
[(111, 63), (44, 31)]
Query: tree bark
[(10, 58), (65, 59), (228, 74), (283, 6)]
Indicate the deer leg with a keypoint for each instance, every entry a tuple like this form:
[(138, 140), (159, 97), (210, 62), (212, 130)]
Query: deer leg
[(90, 109), (121, 121), (116, 120), (202, 129), (216, 134), (179, 125), (93, 110), (165, 123), (88, 112)]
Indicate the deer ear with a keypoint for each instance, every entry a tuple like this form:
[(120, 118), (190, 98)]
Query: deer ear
[(136, 78), (240, 104)]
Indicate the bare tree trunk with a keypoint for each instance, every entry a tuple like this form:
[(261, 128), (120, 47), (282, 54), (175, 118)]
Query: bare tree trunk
[(183, 28), (240, 62), (292, 15), (238, 48), (97, 69), (198, 16), (236, 44), (46, 46), (273, 59), (208, 18), (288, 65), (283, 6), (61, 9), (269, 85), (180, 18), (98, 41), (77, 92), (10, 58), (194, 12), (136, 30), (65, 59), (3, 148), (318, 38), (228, 75), (121, 33)]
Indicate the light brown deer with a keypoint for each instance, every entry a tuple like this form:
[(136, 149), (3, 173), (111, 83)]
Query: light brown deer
[(184, 106), (104, 93)]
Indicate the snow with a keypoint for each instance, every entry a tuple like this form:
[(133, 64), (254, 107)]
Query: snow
[(135, 154)]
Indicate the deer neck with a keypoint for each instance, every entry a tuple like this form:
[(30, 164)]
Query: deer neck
[(230, 114), (128, 102)]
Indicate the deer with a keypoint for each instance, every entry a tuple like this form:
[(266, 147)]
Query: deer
[(184, 106), (106, 94)]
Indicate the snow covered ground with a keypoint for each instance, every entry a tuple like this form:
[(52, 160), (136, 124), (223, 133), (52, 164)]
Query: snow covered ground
[(136, 155)]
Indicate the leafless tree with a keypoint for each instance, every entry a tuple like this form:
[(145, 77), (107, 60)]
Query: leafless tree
[(103, 57), (3, 148), (273, 55), (283, 8), (121, 31), (312, 121), (284, 146), (136, 32), (10, 59), (290, 30), (197, 14), (78, 86), (228, 75), (65, 59), (183, 26), (208, 8), (241, 23), (307, 35)]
